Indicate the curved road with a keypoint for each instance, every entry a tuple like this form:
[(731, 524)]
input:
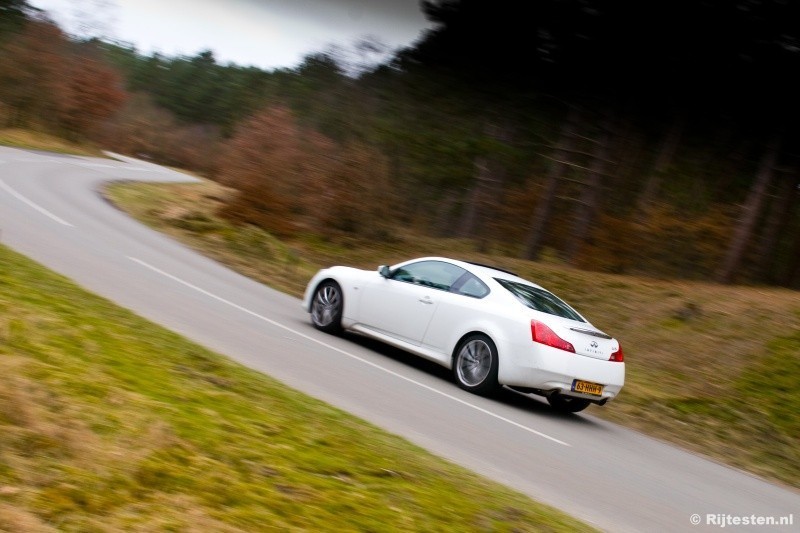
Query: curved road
[(608, 476)]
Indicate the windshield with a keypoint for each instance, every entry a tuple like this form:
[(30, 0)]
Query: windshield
[(540, 300)]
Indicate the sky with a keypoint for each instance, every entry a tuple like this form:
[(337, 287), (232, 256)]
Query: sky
[(267, 34)]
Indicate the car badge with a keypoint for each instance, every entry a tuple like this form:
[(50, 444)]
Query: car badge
[(594, 344)]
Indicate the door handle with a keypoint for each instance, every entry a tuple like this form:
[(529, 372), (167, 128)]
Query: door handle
[(426, 300)]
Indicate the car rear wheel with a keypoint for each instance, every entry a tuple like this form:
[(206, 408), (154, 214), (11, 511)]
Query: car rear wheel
[(326, 307), (475, 364), (567, 404)]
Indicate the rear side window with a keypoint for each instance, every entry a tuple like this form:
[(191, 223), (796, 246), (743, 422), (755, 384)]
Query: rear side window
[(469, 285), (540, 300)]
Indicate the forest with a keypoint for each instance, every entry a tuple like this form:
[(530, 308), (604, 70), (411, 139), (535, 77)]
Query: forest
[(649, 138)]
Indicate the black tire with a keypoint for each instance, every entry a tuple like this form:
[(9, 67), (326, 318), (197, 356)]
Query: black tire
[(567, 404), (475, 364), (326, 307)]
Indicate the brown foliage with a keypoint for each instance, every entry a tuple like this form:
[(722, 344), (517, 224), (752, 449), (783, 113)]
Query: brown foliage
[(143, 129), (291, 180), (33, 73), (266, 163), (355, 195), (663, 242), (92, 92), (47, 80)]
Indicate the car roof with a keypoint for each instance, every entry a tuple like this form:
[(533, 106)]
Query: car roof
[(485, 272)]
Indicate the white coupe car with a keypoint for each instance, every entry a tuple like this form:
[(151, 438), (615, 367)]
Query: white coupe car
[(489, 326)]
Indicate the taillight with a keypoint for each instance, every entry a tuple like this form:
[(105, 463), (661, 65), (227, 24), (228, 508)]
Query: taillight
[(617, 356), (544, 335)]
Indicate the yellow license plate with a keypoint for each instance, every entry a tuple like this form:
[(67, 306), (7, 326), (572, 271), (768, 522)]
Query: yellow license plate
[(587, 387)]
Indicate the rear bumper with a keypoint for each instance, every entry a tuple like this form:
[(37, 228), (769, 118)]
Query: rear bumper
[(548, 370)]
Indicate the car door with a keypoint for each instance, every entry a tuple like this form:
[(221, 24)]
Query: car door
[(462, 305), (403, 304)]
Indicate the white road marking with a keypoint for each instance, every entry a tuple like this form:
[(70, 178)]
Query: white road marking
[(122, 167), (40, 159), (96, 165), (330, 347), (39, 208)]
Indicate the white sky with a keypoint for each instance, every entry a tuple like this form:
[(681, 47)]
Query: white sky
[(263, 33)]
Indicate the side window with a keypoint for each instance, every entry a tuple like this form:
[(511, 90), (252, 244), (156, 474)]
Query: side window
[(434, 274), (403, 274)]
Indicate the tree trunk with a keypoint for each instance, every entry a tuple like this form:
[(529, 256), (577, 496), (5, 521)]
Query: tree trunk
[(444, 221), (541, 213), (590, 196), (792, 276), (777, 217), (490, 175), (791, 273), (665, 156), (475, 198), (750, 212)]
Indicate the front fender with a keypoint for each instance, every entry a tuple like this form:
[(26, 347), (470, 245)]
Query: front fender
[(351, 280)]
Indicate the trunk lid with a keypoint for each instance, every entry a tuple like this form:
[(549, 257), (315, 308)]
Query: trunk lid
[(586, 339)]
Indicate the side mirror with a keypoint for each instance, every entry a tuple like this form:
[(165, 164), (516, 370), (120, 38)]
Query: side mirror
[(384, 271)]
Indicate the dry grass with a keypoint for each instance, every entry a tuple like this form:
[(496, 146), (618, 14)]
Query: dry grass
[(699, 356), (32, 140)]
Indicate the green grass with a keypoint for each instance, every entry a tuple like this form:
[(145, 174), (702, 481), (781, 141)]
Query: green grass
[(711, 368), (763, 401), (110, 423)]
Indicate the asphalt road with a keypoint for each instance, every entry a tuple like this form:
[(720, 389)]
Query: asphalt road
[(608, 476)]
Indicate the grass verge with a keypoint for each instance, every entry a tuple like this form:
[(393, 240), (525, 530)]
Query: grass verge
[(711, 368), (32, 140), (109, 423)]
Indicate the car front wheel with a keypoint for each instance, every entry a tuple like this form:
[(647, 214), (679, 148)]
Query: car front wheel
[(327, 306), (475, 364), (567, 404)]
